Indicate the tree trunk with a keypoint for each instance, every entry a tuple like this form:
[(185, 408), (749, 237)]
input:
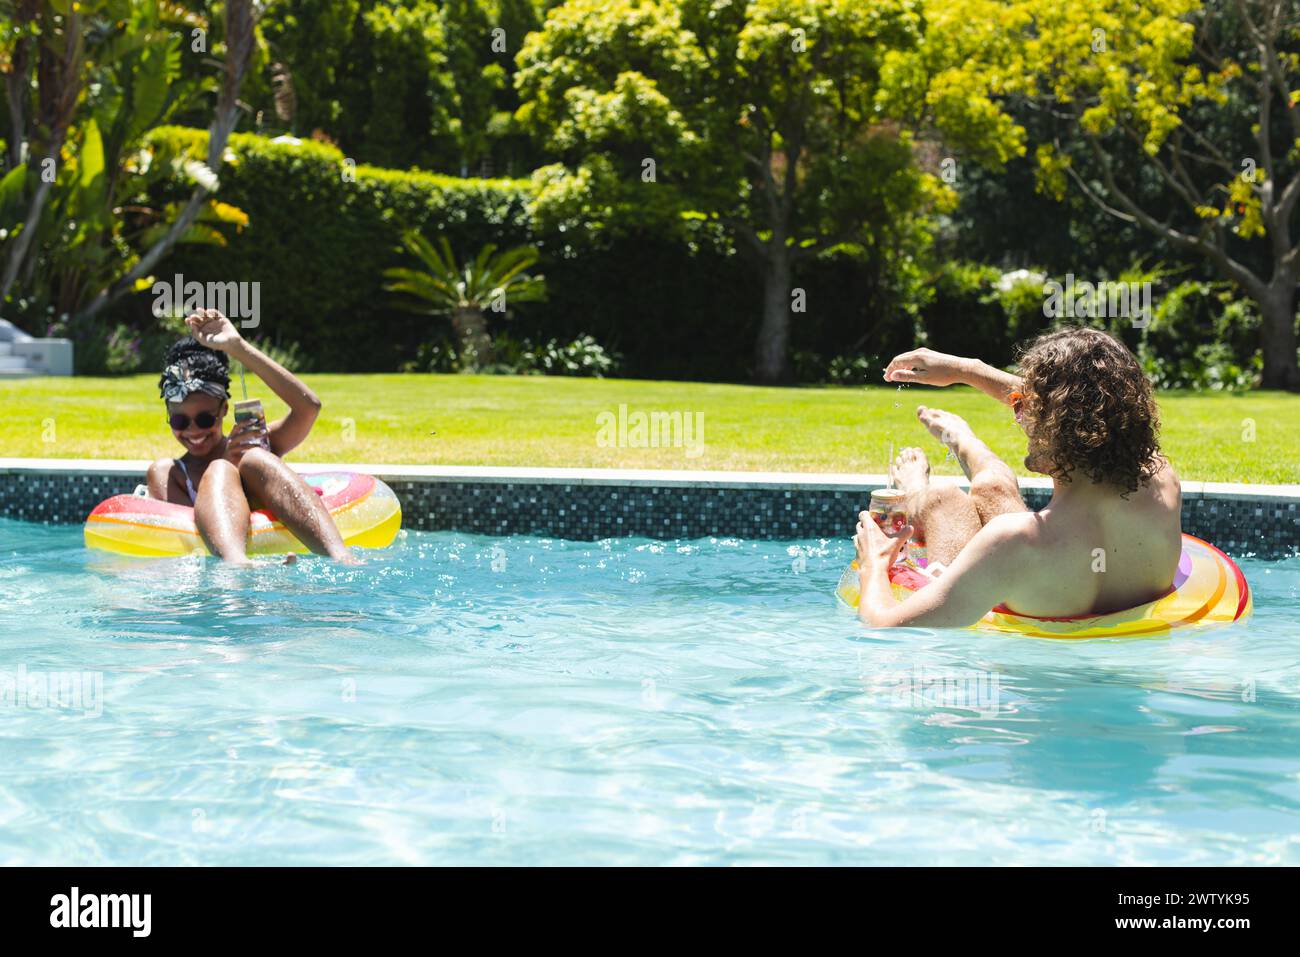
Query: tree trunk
[(1277, 338), (23, 241), (15, 83), (772, 351), (17, 80), (471, 330)]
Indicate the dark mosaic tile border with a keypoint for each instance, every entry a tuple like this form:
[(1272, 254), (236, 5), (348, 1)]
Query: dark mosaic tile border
[(586, 511)]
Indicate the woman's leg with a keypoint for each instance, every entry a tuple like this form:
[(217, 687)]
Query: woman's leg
[(221, 512), (294, 503)]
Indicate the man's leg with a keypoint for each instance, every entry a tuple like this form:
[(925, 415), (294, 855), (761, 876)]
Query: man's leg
[(221, 512), (294, 503), (943, 516), (993, 486)]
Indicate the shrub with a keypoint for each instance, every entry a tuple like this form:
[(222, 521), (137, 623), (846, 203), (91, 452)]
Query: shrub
[(1202, 336), (841, 370), (123, 348), (321, 234), (965, 317), (583, 357), (978, 310)]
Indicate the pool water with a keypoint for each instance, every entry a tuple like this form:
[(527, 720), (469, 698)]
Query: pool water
[(464, 699)]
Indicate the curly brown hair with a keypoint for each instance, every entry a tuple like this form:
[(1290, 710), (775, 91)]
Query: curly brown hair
[(1089, 407)]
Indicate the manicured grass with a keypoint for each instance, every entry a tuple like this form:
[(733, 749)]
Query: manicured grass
[(537, 421)]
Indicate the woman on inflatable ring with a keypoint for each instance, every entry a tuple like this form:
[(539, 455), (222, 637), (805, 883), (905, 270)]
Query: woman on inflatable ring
[(227, 480)]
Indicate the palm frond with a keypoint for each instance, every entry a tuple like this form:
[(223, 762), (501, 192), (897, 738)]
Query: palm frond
[(446, 284), (422, 285)]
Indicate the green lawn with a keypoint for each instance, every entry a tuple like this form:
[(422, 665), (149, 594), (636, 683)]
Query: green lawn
[(537, 421)]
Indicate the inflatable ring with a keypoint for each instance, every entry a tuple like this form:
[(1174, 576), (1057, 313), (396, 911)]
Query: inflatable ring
[(1208, 589), (365, 509)]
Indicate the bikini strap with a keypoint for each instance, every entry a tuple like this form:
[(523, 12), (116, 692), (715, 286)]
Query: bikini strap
[(189, 486)]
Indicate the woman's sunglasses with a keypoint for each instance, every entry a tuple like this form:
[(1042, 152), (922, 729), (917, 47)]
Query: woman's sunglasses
[(180, 421)]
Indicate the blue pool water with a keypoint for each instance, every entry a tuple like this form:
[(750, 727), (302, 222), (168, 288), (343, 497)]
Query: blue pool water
[(464, 699)]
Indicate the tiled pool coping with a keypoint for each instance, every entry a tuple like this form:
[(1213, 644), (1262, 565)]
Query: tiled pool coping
[(599, 503)]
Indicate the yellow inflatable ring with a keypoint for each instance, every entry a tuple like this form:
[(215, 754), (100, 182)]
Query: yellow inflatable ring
[(365, 509), (1208, 589)]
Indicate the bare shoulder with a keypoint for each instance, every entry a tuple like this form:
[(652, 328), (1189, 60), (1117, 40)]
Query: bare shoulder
[(1011, 529), (161, 468), (1165, 479), (158, 477), (1006, 540)]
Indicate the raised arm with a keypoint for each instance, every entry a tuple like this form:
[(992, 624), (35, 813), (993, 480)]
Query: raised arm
[(939, 369), (214, 330)]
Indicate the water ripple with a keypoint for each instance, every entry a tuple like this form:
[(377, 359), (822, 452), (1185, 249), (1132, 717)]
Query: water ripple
[(463, 699)]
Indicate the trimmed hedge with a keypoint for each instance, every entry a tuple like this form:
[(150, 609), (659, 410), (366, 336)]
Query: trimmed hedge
[(319, 243)]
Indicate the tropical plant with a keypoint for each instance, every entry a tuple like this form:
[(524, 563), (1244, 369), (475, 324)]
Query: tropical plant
[(37, 130), (491, 281), (79, 230)]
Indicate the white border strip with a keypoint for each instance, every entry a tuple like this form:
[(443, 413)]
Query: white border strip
[(662, 478)]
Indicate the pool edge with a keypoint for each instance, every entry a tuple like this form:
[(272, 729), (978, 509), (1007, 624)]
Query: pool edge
[(1262, 520)]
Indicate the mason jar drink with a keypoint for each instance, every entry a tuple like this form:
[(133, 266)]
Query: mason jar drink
[(888, 508), (249, 414)]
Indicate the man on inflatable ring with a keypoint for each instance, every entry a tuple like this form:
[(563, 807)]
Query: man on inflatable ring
[(226, 477), (1110, 538)]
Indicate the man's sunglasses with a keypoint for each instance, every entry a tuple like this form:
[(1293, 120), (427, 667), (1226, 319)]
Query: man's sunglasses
[(180, 421)]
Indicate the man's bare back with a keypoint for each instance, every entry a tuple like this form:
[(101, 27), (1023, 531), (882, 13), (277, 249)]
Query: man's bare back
[(1090, 551)]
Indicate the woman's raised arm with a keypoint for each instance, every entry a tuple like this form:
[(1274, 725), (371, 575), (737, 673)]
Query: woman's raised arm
[(215, 331)]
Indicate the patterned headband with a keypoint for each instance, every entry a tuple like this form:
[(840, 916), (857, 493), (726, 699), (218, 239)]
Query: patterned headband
[(178, 383)]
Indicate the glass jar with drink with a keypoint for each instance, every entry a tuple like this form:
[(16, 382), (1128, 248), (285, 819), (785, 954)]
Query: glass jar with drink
[(888, 508)]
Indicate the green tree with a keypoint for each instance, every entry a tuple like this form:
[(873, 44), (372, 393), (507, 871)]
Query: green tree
[(396, 95), (1176, 116), (400, 82), (308, 45), (766, 117)]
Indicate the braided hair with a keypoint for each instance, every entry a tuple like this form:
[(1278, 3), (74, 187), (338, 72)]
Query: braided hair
[(193, 367)]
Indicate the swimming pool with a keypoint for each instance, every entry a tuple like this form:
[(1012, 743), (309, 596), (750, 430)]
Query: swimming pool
[(467, 699)]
